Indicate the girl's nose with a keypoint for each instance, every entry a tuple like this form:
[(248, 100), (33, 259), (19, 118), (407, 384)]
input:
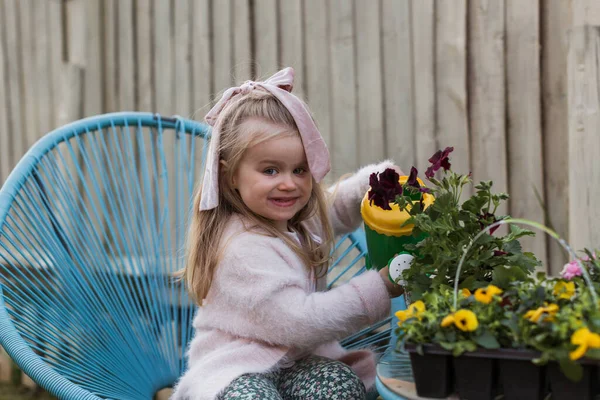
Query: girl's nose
[(287, 182)]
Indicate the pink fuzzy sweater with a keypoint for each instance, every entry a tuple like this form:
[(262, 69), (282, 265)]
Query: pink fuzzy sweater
[(262, 307)]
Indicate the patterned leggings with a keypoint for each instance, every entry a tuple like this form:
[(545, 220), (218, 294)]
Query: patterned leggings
[(313, 378)]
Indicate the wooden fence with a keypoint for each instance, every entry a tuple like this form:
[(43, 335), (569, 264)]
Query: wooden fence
[(496, 79)]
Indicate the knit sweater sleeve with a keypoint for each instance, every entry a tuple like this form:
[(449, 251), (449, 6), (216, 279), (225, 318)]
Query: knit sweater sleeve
[(347, 195), (270, 297)]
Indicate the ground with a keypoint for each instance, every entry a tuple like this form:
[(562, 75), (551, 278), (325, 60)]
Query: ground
[(10, 392)]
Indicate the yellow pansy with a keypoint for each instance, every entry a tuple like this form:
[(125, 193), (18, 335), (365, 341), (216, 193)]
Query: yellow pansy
[(465, 320), (414, 310), (534, 315), (584, 340), (466, 292), (447, 321), (564, 290), (485, 295)]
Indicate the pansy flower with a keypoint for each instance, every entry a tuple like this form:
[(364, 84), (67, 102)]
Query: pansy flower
[(564, 290), (385, 186), (415, 310), (439, 160), (584, 339), (485, 295), (465, 320)]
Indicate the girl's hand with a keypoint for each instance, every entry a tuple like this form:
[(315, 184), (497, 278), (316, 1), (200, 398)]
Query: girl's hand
[(393, 289)]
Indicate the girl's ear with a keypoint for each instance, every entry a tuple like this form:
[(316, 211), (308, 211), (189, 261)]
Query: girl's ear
[(224, 169)]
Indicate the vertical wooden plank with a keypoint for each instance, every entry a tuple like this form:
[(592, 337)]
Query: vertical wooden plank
[(13, 66), (265, 37), (182, 58), (55, 64), (343, 88), (162, 50), (29, 106), (143, 51), (487, 111), (223, 48), (292, 49), (242, 44), (42, 72), (126, 65), (93, 79), (423, 36), (585, 12), (110, 46), (451, 81), (5, 164), (584, 141), (202, 88), (76, 26), (369, 89), (398, 82), (524, 116), (318, 81), (556, 17)]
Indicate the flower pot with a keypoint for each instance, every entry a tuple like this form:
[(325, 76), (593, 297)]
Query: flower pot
[(522, 379), (475, 377), (563, 388), (432, 371)]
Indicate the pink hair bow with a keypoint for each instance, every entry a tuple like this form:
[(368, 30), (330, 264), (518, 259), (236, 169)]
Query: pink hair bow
[(280, 85)]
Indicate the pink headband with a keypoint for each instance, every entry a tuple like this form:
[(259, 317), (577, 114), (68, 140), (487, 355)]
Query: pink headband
[(280, 85)]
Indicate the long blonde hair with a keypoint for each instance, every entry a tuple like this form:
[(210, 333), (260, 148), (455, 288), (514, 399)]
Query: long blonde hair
[(204, 239)]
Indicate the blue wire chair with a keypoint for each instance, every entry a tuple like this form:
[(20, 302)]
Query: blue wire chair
[(92, 223)]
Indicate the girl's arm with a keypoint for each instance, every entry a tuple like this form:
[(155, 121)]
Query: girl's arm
[(272, 305), (347, 195)]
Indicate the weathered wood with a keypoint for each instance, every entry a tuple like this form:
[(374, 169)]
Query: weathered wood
[(5, 163), (584, 12), (371, 140), (398, 82), (292, 49), (41, 71), (423, 18), (13, 68), (318, 81), (144, 60), (556, 19), (451, 82), (524, 131), (222, 47), (163, 57), (29, 105), (182, 59), (109, 59), (343, 88), (55, 63), (487, 110), (584, 141), (242, 44), (202, 87), (126, 55), (265, 37)]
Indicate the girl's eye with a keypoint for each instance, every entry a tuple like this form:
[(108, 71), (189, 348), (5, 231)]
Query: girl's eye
[(299, 171), (270, 171)]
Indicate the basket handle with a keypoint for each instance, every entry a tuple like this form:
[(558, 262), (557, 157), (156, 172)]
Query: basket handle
[(533, 224)]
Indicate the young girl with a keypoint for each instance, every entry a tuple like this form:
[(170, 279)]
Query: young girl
[(259, 245)]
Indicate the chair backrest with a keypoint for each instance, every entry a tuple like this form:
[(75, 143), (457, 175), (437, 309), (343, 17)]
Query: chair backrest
[(92, 228)]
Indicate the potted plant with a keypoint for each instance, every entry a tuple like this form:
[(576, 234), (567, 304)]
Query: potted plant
[(521, 342)]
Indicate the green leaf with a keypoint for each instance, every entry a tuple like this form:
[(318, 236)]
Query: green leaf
[(571, 369), (487, 340)]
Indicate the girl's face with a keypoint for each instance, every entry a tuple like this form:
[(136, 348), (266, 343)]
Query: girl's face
[(272, 177)]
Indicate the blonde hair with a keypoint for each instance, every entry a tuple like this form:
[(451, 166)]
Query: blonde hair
[(204, 239)]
